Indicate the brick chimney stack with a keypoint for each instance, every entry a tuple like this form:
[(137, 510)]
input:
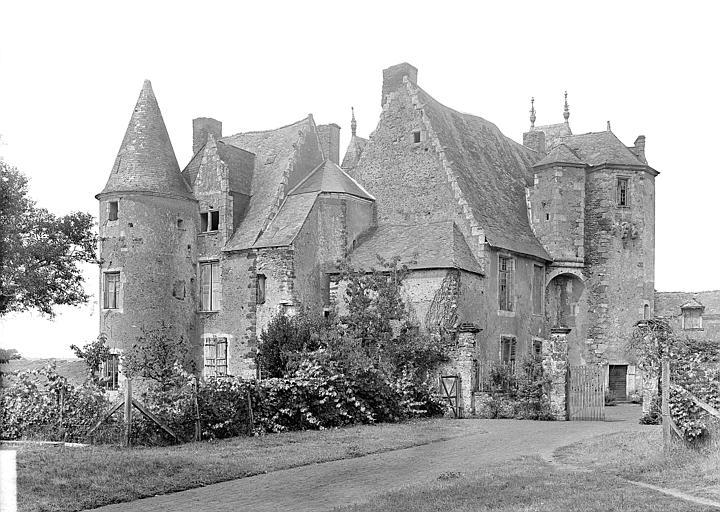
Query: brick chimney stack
[(640, 148)]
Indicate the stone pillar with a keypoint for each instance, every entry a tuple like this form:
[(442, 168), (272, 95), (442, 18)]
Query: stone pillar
[(464, 363), (649, 388), (555, 362)]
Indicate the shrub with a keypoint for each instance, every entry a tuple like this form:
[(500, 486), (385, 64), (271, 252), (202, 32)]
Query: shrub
[(283, 342)]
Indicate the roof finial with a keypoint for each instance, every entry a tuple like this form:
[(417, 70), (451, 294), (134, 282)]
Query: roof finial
[(566, 112), (532, 112), (608, 126), (353, 123)]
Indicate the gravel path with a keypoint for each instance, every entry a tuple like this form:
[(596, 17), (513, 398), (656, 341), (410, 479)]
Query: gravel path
[(325, 486)]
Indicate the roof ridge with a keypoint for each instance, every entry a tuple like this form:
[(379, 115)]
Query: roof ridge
[(254, 132)]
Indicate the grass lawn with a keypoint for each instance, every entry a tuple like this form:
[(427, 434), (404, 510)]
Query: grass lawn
[(639, 456), (55, 478), (528, 484)]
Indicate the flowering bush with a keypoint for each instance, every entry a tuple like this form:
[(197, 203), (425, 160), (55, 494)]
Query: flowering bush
[(43, 405)]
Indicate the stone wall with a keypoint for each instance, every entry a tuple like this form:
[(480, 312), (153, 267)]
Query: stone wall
[(156, 259), (620, 258), (554, 353)]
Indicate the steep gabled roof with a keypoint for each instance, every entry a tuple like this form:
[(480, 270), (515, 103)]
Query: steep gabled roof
[(553, 132), (561, 154), (353, 152), (492, 172), (146, 161), (285, 226), (433, 245), (274, 152), (329, 177), (597, 148)]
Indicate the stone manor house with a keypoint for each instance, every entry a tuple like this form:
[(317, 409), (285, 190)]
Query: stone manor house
[(513, 247)]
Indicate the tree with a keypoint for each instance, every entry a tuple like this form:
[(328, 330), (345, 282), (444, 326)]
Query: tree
[(7, 354), (39, 251), (155, 355), (94, 354)]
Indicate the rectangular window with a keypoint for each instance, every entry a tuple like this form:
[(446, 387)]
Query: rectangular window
[(111, 290), (537, 290), (109, 372), (416, 137), (692, 319), (215, 357), (113, 210), (623, 198), (210, 286), (260, 289), (505, 283), (508, 348), (209, 221)]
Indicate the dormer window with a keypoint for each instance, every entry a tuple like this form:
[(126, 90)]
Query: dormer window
[(623, 192), (209, 221), (113, 210), (692, 319)]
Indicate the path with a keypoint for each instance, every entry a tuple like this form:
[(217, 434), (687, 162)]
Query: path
[(325, 486)]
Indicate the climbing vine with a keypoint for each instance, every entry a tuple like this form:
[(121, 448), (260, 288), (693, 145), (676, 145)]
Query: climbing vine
[(442, 313)]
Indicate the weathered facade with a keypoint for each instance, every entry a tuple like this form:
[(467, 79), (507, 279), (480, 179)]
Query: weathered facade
[(515, 248)]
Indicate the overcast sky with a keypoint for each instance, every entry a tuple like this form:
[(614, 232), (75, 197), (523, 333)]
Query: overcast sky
[(72, 71)]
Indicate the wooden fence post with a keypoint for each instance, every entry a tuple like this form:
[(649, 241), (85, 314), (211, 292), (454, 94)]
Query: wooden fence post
[(128, 411), (666, 405), (251, 420), (198, 427)]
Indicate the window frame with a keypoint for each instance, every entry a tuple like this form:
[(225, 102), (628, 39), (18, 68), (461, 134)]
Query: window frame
[(260, 289), (620, 201), (511, 343), (116, 289), (213, 286), (113, 210), (541, 298), (110, 369), (506, 303), (212, 343), (210, 221)]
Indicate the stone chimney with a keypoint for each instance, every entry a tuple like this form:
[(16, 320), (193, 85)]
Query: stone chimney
[(393, 78), (535, 139), (640, 148), (329, 135), (202, 126)]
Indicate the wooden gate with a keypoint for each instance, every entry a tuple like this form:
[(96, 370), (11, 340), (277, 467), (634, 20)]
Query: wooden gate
[(450, 390), (586, 393)]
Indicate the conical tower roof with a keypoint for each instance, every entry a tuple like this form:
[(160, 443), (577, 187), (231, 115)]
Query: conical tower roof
[(146, 161)]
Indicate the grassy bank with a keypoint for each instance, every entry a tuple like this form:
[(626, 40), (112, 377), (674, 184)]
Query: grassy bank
[(639, 456), (55, 478), (527, 485)]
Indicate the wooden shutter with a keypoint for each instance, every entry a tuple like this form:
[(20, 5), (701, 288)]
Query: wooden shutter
[(209, 356), (221, 356), (215, 286)]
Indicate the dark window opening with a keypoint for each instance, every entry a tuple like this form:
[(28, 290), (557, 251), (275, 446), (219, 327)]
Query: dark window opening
[(416, 137), (113, 210), (547, 216), (215, 357), (210, 286), (111, 290), (537, 347), (110, 372), (646, 312), (260, 289), (130, 224), (622, 192), (209, 221), (508, 348), (179, 223), (505, 283)]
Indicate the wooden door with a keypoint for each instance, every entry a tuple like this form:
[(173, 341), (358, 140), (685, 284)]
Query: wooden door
[(586, 393), (617, 381)]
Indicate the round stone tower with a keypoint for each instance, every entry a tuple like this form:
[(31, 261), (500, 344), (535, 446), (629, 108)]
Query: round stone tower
[(147, 228)]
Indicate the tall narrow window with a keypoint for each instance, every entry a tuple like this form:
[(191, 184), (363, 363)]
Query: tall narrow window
[(623, 198), (111, 290), (113, 210), (210, 286), (215, 357), (505, 283), (537, 290), (508, 348), (260, 289), (416, 137), (110, 372)]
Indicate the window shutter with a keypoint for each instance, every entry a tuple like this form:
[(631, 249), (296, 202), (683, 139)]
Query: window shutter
[(205, 286), (215, 287)]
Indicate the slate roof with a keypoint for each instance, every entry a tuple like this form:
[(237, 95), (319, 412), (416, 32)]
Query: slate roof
[(492, 171), (285, 226), (433, 245), (75, 370), (561, 154), (329, 177), (146, 161), (353, 152), (274, 150), (669, 304), (553, 132), (598, 148)]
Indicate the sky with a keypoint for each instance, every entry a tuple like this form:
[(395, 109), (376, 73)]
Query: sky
[(72, 71)]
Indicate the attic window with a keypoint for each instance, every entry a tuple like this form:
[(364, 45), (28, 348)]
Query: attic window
[(260, 289), (209, 221), (113, 210), (416, 137)]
